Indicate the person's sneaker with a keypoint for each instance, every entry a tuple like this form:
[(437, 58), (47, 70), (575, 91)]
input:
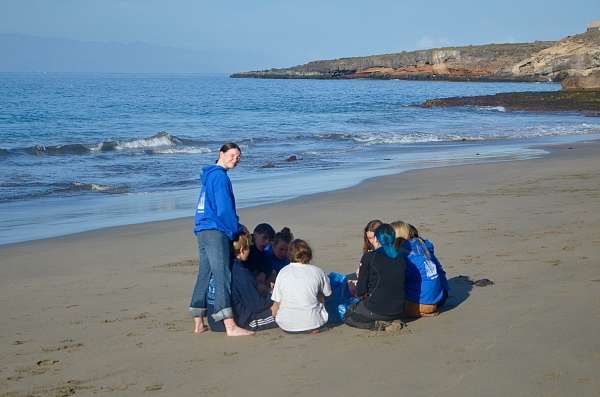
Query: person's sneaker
[(395, 326), (381, 325)]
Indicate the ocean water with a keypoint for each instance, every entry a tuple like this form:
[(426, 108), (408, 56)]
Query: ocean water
[(84, 151)]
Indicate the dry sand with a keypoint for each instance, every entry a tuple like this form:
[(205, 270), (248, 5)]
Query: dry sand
[(105, 312)]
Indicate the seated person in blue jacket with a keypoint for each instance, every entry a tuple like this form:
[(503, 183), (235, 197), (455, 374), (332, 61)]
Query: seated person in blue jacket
[(380, 284), (251, 310), (278, 251), (299, 292), (258, 261), (426, 286)]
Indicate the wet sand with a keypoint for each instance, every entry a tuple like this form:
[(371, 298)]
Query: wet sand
[(105, 312)]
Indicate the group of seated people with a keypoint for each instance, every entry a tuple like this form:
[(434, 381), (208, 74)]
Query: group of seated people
[(274, 284)]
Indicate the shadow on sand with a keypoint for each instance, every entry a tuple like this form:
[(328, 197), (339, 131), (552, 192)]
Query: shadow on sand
[(460, 289)]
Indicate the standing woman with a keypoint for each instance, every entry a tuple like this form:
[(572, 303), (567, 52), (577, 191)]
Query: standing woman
[(217, 225)]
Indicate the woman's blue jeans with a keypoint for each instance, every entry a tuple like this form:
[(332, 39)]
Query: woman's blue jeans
[(214, 254)]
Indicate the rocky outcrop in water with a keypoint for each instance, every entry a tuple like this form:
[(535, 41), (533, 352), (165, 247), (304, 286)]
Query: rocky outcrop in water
[(587, 102), (574, 61)]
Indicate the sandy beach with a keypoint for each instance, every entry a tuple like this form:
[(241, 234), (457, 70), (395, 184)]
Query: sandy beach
[(105, 312)]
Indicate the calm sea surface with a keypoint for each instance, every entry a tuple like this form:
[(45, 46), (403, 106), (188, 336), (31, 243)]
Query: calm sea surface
[(81, 152)]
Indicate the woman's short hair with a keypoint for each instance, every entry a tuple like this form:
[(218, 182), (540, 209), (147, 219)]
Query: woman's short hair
[(299, 251), (229, 146), (242, 242), (265, 229)]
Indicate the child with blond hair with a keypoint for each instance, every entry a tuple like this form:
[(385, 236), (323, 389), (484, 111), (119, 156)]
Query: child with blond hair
[(251, 310)]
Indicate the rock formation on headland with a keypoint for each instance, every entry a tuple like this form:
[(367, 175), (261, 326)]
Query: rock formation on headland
[(479, 63), (574, 60)]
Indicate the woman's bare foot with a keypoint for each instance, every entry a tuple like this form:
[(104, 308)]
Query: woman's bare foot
[(199, 326), (232, 329)]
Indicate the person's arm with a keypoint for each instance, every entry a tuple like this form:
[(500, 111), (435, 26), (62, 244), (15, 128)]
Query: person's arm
[(325, 287), (362, 286), (225, 204), (276, 297)]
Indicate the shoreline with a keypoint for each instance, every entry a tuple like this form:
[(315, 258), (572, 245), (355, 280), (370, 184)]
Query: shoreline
[(179, 220), (106, 311)]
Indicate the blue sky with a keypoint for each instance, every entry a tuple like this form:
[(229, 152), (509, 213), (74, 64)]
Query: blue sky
[(242, 35)]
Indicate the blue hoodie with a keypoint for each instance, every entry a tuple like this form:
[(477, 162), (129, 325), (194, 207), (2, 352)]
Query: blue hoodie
[(425, 278), (215, 209)]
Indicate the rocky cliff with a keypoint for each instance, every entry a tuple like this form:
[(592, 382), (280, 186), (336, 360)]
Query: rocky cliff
[(481, 62), (574, 59)]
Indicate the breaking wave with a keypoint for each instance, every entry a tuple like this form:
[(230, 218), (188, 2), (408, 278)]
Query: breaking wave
[(160, 143), (38, 190), (382, 138)]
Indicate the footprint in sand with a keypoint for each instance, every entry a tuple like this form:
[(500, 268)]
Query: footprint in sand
[(141, 316), (185, 266), (40, 367), (553, 262), (155, 387), (67, 345)]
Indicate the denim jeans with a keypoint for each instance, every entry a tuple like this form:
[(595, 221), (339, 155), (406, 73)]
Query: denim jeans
[(214, 259)]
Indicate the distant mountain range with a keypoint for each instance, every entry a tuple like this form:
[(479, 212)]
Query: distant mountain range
[(24, 53)]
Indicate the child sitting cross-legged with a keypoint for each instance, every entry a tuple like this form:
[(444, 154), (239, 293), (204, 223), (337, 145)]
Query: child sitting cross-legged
[(426, 286), (299, 292), (251, 310)]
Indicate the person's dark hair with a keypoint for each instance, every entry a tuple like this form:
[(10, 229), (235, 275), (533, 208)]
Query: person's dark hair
[(387, 237), (300, 252), (284, 235), (229, 146), (413, 232), (371, 226), (265, 229)]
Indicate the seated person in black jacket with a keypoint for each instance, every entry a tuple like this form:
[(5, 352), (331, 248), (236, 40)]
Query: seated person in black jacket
[(251, 310), (259, 261), (380, 284)]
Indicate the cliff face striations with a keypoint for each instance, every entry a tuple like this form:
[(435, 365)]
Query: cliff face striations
[(482, 62), (574, 60)]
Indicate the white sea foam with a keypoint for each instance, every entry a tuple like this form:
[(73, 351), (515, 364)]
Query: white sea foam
[(492, 108), (404, 138), (399, 138), (94, 187), (182, 150), (160, 140)]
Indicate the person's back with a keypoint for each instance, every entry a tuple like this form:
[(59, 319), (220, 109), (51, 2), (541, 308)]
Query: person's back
[(299, 291), (297, 288), (381, 279), (425, 278), (380, 285)]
